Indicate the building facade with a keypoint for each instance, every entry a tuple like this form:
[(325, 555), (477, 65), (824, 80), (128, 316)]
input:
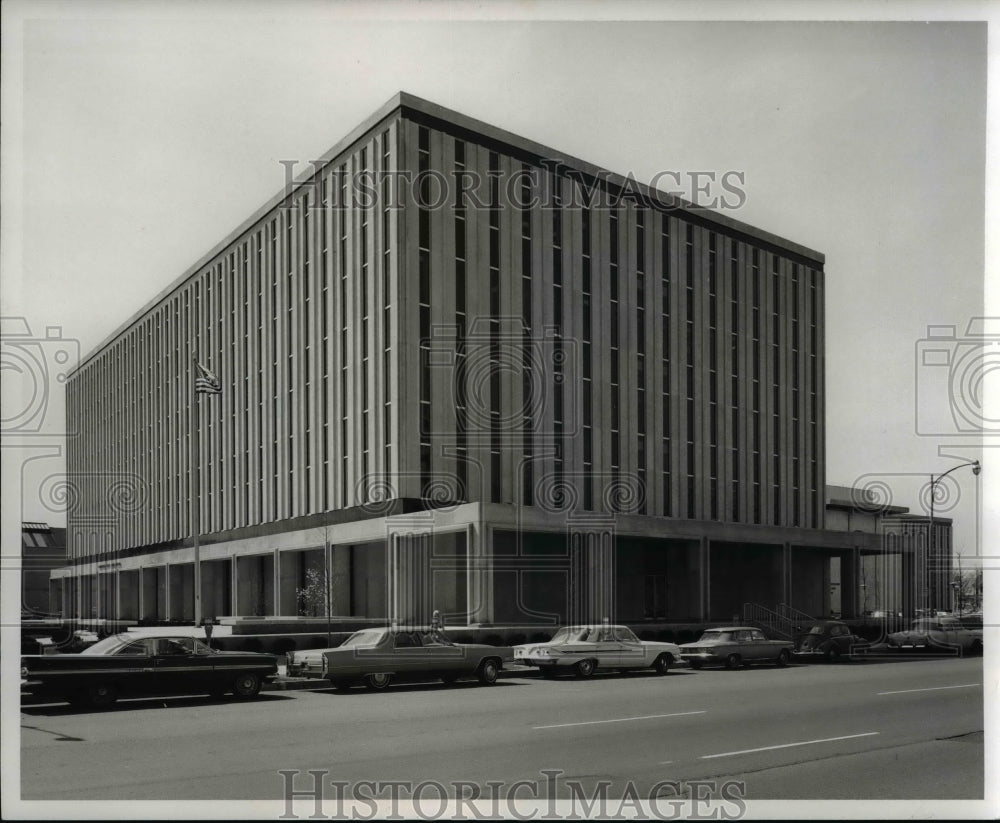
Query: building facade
[(462, 371)]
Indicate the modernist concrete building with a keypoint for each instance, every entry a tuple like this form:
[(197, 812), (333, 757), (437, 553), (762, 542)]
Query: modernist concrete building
[(463, 371)]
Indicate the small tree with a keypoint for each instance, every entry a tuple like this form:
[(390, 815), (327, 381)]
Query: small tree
[(966, 587), (313, 597)]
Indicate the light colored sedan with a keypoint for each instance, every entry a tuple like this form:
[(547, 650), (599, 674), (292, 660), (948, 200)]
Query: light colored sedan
[(584, 649)]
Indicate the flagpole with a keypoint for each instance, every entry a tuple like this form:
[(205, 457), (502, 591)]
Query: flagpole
[(196, 490)]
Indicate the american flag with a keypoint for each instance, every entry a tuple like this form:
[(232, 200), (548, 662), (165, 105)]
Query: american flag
[(205, 382)]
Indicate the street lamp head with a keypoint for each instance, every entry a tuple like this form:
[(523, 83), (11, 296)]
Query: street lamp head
[(976, 467)]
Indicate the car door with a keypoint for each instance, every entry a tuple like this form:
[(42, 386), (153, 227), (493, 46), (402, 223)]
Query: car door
[(177, 669), (407, 654), (753, 644), (604, 648), (439, 655), (631, 653), (937, 635), (134, 666), (950, 630)]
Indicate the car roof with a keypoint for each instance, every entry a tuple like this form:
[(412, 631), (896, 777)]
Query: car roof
[(581, 626), (732, 628)]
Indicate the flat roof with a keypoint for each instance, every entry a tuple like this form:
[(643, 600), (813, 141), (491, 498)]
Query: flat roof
[(417, 108)]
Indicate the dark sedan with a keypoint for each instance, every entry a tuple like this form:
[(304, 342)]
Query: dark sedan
[(127, 665), (376, 656), (829, 640)]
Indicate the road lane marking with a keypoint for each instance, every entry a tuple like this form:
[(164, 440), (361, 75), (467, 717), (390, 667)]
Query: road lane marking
[(933, 689), (788, 745), (616, 720)]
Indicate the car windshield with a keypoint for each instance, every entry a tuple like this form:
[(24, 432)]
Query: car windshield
[(717, 636), (364, 638), (568, 633), (817, 630)]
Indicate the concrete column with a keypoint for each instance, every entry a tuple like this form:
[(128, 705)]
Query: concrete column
[(276, 583), (849, 583), (289, 575), (148, 586), (591, 543), (480, 576), (786, 573), (166, 592), (234, 591), (141, 593), (410, 584), (705, 577), (340, 581)]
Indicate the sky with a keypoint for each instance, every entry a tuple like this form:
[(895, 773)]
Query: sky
[(145, 133)]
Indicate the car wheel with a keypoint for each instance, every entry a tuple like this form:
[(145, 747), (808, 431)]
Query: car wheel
[(696, 664), (378, 680), (102, 694), (448, 679), (977, 647), (488, 672), (782, 659), (247, 685), (832, 654), (734, 661), (662, 663), (585, 668)]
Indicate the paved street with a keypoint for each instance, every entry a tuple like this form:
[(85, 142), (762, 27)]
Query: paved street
[(902, 729)]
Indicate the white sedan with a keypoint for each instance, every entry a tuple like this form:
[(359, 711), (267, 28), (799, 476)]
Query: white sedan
[(584, 649)]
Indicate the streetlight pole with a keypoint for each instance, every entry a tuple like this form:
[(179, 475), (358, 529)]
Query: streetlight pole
[(976, 469)]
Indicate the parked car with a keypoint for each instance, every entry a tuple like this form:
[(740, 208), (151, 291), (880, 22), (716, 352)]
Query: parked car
[(938, 634), (584, 649), (735, 646), (376, 656), (125, 664), (972, 620), (829, 640)]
